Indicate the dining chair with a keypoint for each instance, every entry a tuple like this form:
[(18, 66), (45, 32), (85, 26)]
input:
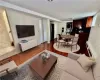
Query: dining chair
[(76, 35), (60, 41), (73, 42)]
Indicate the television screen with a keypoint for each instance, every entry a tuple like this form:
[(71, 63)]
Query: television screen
[(25, 30)]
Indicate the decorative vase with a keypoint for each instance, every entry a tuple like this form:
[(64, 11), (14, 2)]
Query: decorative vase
[(43, 57)]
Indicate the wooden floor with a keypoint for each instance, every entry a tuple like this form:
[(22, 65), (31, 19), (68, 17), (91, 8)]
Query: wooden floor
[(22, 57)]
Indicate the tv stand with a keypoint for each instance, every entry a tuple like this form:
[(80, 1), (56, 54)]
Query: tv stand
[(25, 45)]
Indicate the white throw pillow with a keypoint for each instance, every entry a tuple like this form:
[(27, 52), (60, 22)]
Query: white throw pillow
[(85, 62)]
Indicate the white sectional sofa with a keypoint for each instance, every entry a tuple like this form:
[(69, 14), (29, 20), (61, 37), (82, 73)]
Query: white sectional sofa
[(73, 70), (8, 68)]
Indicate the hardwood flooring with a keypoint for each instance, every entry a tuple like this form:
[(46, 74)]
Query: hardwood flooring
[(24, 56)]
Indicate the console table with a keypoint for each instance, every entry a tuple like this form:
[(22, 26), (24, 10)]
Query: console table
[(28, 44)]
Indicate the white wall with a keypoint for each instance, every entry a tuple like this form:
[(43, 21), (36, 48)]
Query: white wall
[(94, 41), (42, 28), (20, 18), (61, 25), (56, 28), (94, 38), (97, 23), (94, 20), (7, 25), (44, 25), (4, 36), (41, 40), (48, 30)]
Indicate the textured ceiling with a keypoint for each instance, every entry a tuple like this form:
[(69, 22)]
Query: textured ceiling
[(61, 9)]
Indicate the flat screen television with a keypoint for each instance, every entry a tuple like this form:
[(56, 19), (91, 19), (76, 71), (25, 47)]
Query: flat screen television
[(25, 30)]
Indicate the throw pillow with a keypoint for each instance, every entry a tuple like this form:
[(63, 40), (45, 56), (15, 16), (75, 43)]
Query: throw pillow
[(85, 62)]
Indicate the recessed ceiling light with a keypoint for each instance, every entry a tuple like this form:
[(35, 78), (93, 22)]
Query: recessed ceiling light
[(50, 0)]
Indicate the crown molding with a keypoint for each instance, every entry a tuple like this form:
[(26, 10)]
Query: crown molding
[(18, 8)]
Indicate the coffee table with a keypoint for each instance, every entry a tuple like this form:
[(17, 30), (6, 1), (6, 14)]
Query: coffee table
[(40, 69)]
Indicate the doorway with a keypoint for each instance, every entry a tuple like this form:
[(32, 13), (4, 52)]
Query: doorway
[(52, 31), (69, 27)]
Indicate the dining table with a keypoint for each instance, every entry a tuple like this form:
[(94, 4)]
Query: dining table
[(67, 36)]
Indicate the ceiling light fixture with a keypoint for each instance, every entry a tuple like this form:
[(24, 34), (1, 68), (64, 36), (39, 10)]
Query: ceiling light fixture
[(50, 0)]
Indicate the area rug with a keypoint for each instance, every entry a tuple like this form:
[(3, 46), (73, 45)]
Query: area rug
[(24, 72), (66, 49)]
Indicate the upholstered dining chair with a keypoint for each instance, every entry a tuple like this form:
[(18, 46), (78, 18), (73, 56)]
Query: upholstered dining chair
[(73, 42), (60, 41), (76, 35)]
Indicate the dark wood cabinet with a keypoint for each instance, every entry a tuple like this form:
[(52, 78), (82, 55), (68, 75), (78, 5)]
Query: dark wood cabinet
[(83, 38), (84, 23)]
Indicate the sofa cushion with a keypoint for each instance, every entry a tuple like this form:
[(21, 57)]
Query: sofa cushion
[(97, 78), (11, 66), (3, 73), (96, 69), (73, 68), (85, 62), (67, 76)]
